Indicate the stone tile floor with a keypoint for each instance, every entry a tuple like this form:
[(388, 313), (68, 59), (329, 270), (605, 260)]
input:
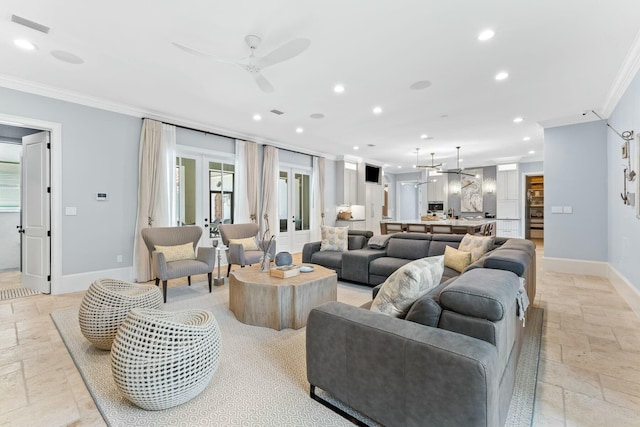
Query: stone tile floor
[(589, 373)]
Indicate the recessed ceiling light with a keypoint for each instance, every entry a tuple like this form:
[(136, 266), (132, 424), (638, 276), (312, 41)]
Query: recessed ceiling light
[(257, 117), (502, 75), (67, 57), (317, 116), (377, 110), (355, 147), (424, 136), (526, 138), (399, 167), (518, 120), (532, 152), (299, 130), (24, 44), (419, 85), (338, 88), (486, 35)]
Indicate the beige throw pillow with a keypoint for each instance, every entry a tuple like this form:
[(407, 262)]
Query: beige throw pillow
[(456, 259), (248, 244), (407, 284), (177, 252), (334, 238), (477, 245)]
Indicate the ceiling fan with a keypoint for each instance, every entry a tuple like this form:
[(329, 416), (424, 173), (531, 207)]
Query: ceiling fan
[(431, 166), (457, 170), (254, 64)]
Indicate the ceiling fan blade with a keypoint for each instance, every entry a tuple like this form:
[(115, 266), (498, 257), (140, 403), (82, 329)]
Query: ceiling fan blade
[(467, 174), (263, 83), (284, 52), (201, 53)]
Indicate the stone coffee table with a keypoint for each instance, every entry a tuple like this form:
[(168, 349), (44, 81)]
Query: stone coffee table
[(263, 300)]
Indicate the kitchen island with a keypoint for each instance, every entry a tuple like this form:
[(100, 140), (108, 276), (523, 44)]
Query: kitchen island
[(441, 226)]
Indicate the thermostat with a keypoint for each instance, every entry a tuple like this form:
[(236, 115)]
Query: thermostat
[(101, 197)]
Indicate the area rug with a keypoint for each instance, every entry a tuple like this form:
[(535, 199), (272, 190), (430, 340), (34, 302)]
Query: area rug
[(261, 376), (6, 294)]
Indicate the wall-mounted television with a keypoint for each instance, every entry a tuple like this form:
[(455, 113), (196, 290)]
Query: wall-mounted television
[(372, 174)]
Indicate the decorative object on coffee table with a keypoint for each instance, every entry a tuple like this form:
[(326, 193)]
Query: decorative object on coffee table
[(106, 304), (283, 258), (266, 247), (162, 359)]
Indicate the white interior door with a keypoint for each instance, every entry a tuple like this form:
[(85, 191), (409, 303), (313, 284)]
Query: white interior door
[(36, 239), (294, 209)]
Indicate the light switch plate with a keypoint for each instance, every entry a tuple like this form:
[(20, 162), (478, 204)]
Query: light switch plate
[(567, 209), (70, 211), (556, 209)]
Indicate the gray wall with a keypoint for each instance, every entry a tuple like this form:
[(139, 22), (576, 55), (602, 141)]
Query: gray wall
[(99, 154), (575, 175), (488, 199), (623, 226)]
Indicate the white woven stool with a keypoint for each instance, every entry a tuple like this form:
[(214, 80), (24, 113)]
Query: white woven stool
[(161, 359), (107, 302)]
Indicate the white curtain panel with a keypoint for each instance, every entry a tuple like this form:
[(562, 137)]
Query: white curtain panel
[(241, 203), (270, 172), (251, 158), (155, 188), (317, 191)]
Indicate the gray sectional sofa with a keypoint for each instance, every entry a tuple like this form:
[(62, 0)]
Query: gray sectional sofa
[(450, 362), (311, 253)]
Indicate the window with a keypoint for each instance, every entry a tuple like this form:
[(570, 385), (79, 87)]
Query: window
[(9, 187)]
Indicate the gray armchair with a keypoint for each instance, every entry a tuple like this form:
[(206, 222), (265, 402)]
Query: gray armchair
[(235, 251), (172, 236)]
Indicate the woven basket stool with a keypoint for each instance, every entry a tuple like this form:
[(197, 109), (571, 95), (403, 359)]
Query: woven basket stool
[(107, 302), (161, 359)]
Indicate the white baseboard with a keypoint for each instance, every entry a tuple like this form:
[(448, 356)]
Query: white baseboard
[(576, 266), (81, 281), (630, 293)]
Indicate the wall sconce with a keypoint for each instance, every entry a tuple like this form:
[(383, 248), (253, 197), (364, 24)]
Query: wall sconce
[(454, 187), (489, 186)]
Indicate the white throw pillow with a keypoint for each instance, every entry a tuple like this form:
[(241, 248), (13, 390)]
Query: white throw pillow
[(248, 244), (408, 283), (334, 238), (477, 245), (177, 252)]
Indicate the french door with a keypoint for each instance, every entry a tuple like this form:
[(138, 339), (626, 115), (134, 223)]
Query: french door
[(294, 209), (204, 193)]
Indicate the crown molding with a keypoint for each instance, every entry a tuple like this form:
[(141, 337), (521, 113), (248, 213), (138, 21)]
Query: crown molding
[(21, 85), (625, 75)]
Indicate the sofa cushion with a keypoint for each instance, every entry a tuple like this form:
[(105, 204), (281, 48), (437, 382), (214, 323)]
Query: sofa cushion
[(385, 266), (248, 243), (425, 310), (334, 238), (356, 242), (513, 260), (408, 248), (329, 259), (177, 252), (477, 245), (407, 284), (482, 293), (455, 259)]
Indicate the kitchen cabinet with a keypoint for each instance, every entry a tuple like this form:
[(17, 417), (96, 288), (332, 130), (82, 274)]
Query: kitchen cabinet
[(508, 228), (436, 189), (507, 194), (346, 183), (353, 224), (374, 199)]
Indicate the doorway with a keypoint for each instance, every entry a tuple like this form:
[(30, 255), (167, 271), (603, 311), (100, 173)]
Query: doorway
[(25, 225), (294, 204)]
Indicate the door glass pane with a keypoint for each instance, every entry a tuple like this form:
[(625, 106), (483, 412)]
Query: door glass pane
[(283, 201), (301, 201), (221, 182), (185, 191)]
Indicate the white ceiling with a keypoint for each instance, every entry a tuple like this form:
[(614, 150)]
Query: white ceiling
[(563, 57)]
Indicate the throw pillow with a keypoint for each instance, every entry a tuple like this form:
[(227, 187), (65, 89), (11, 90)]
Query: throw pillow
[(407, 284), (477, 245), (456, 259), (379, 241), (177, 252), (248, 244), (334, 238)]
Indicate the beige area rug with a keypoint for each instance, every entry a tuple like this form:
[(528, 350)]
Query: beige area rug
[(6, 294), (261, 376)]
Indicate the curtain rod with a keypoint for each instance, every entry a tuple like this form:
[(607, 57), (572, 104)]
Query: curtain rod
[(224, 136)]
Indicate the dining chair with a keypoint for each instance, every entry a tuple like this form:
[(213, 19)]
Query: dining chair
[(441, 229), (418, 228), (394, 227)]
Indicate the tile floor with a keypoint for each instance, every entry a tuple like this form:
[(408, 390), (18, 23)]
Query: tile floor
[(589, 371)]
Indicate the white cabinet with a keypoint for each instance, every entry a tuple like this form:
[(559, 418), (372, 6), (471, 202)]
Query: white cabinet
[(346, 183), (352, 224), (373, 206), (508, 228), (507, 194), (436, 189)]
